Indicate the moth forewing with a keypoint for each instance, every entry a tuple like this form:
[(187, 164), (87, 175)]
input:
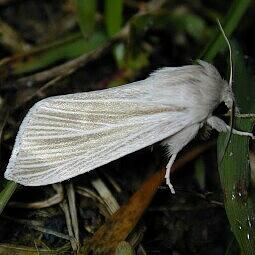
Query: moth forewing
[(64, 136)]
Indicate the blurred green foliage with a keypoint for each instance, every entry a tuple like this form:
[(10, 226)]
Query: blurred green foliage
[(86, 13), (113, 16), (243, 81), (231, 20)]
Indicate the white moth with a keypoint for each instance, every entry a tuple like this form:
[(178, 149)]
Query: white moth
[(65, 136)]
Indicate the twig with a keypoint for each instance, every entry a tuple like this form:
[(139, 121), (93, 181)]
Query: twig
[(36, 225), (72, 208), (85, 192), (106, 195), (11, 39), (55, 199), (119, 225)]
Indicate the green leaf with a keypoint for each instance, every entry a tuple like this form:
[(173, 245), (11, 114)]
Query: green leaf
[(6, 193), (113, 23), (113, 16), (234, 173), (86, 13)]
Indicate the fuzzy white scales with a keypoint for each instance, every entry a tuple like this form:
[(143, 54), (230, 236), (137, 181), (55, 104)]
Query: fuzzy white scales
[(65, 136)]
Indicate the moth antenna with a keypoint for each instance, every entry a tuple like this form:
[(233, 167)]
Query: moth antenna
[(232, 116), (230, 53)]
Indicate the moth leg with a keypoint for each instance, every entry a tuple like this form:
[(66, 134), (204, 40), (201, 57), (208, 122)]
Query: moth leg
[(168, 169), (221, 126)]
